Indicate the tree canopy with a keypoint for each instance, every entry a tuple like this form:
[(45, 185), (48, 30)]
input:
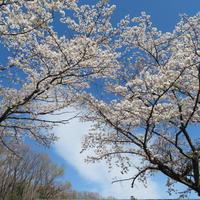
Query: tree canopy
[(32, 175), (44, 71), (152, 80), (154, 104)]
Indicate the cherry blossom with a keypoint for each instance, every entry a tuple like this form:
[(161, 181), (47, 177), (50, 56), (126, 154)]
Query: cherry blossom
[(154, 104), (46, 69)]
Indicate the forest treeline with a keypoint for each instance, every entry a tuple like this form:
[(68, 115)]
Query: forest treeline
[(31, 175)]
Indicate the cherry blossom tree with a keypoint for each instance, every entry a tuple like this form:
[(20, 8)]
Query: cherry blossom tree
[(53, 48), (154, 104), (49, 51)]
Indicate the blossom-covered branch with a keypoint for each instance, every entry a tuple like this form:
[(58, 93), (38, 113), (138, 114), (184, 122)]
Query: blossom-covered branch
[(154, 103), (45, 69)]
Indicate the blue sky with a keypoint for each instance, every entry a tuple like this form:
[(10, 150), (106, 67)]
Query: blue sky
[(164, 15)]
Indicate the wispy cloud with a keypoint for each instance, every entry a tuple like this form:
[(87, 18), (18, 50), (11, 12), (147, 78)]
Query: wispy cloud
[(69, 147)]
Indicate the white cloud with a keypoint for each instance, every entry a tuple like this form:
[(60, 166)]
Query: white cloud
[(69, 147)]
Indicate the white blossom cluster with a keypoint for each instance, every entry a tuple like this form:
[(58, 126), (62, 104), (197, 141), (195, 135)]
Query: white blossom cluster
[(152, 82), (156, 94), (45, 69)]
